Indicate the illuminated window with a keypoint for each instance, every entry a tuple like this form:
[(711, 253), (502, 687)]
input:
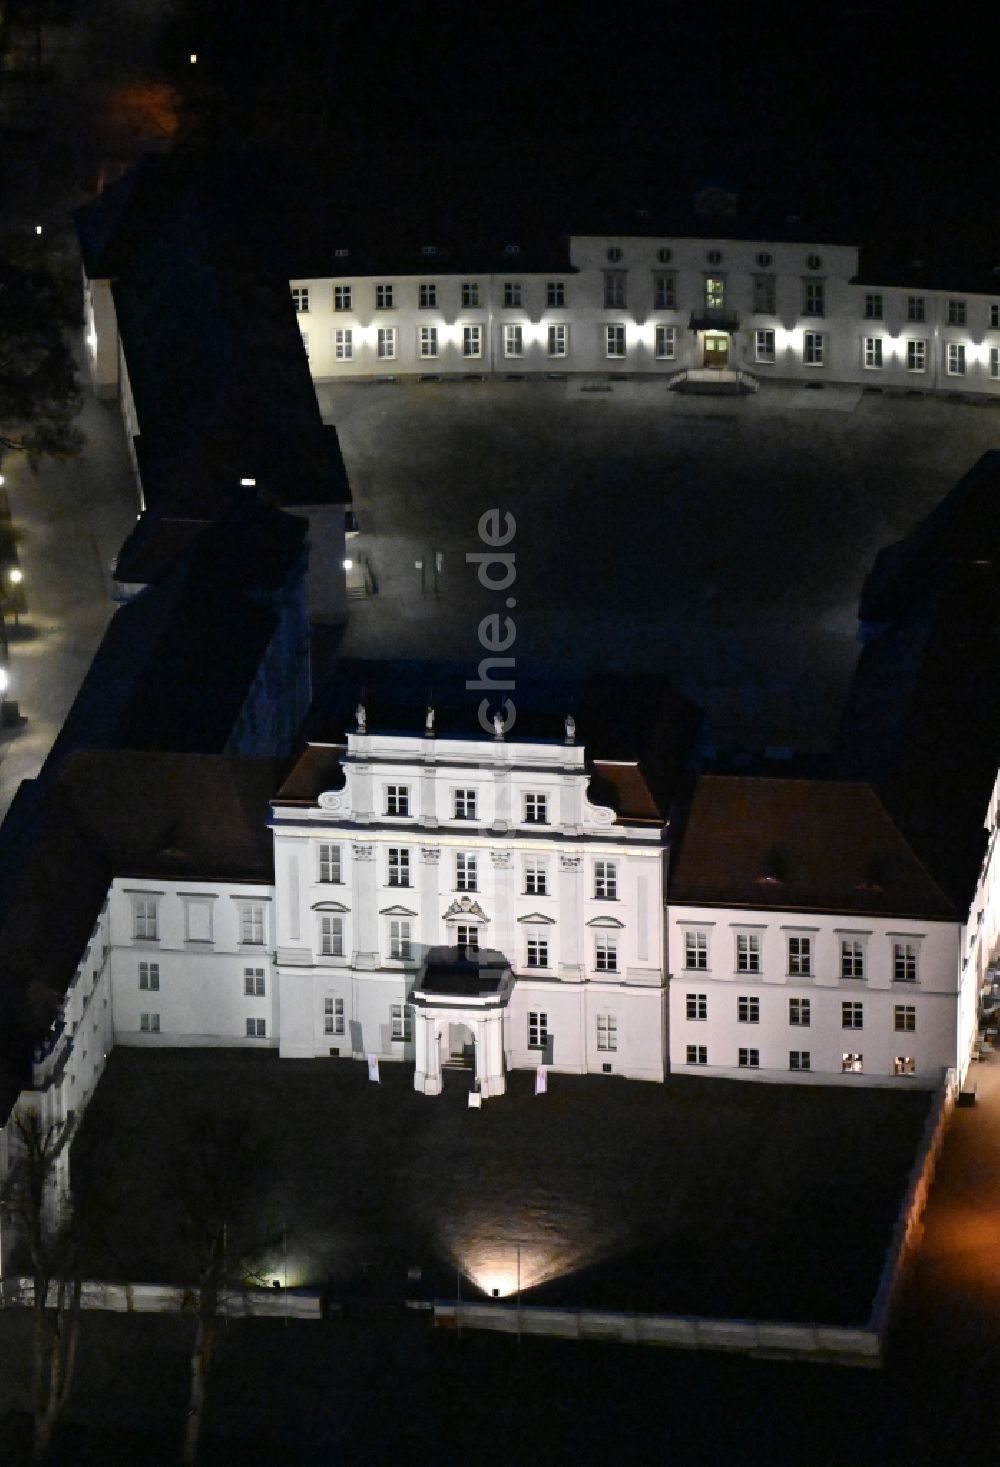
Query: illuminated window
[(852, 1064), (956, 359), (813, 298), (538, 1029), (904, 1018), (149, 977), (800, 1012), (696, 951), (331, 936), (665, 343), (763, 345), (558, 337), (333, 1016), (343, 345), (606, 880), (402, 1023), (343, 297), (466, 872), (428, 341), (614, 289), (384, 297), (696, 1006), (385, 347), (904, 962), (873, 307), (696, 1054), (512, 295), (252, 923), (149, 1023), (513, 341), (748, 1010), (399, 938), (812, 349), (555, 294), (399, 866), (536, 809), (715, 292), (995, 361), (253, 982), (764, 295), (916, 356), (467, 935), (747, 952), (536, 881), (607, 1032), (665, 291), (614, 340), (300, 297), (873, 352), (427, 295), (397, 799), (145, 919), (852, 1016), (605, 953), (472, 341), (915, 308), (329, 863), (748, 1059), (536, 950), (852, 957), (903, 1064), (956, 313), (799, 1059), (470, 293)]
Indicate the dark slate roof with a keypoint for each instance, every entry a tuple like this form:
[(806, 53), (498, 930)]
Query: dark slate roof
[(799, 845), (462, 972), (194, 817), (317, 769), (624, 788)]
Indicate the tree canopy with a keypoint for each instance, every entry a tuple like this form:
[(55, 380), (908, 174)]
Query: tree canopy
[(39, 392)]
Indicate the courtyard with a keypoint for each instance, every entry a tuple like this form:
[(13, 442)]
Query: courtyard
[(696, 1196), (720, 541)]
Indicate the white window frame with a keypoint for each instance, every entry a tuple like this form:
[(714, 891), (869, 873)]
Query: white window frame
[(853, 955), (538, 1029), (748, 1058), (400, 939), (300, 299), (916, 354), (664, 342), (873, 305), (252, 921), (536, 876), (343, 297), (800, 1013), (397, 800), (398, 869), (536, 948), (813, 348), (385, 343), (146, 919), (696, 1054), (696, 949), (427, 342), (904, 1018), (994, 362), (916, 308), (605, 881), (905, 960), (513, 339), (605, 952), (852, 1014), (814, 298), (764, 344), (873, 354), (614, 341), (427, 295), (958, 312), (800, 1059), (665, 290), (470, 294), (256, 1028), (385, 297), (254, 983), (334, 1019), (555, 295), (956, 359), (512, 295), (800, 955), (607, 1033), (615, 290), (467, 935), (149, 977), (331, 935), (852, 1063), (330, 863), (696, 1007), (995, 315), (536, 808), (904, 1064), (465, 804), (558, 339), (747, 1008), (466, 871), (343, 344), (748, 952), (149, 1023), (401, 1021), (472, 341)]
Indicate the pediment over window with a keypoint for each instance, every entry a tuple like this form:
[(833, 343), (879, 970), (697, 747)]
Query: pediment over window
[(329, 907), (535, 917), (396, 912), (464, 909), (605, 922)]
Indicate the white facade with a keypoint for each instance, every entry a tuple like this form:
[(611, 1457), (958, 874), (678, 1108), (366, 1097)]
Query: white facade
[(764, 994), (448, 842)]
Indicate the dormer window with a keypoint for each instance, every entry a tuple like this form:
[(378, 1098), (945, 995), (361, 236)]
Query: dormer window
[(428, 249), (536, 809), (397, 799)]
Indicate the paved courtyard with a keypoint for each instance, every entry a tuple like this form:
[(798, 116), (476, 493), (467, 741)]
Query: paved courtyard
[(696, 1196), (722, 541)]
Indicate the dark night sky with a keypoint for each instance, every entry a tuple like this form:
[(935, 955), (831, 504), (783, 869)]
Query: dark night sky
[(878, 105)]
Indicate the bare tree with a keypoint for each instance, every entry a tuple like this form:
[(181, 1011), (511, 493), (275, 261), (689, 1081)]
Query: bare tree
[(53, 1235), (216, 1180)]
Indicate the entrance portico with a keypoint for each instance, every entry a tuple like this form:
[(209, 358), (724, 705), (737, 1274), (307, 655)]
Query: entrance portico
[(461, 986)]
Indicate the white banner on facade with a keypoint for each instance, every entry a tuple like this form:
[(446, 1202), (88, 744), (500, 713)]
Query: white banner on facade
[(541, 1080), (373, 1068)]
